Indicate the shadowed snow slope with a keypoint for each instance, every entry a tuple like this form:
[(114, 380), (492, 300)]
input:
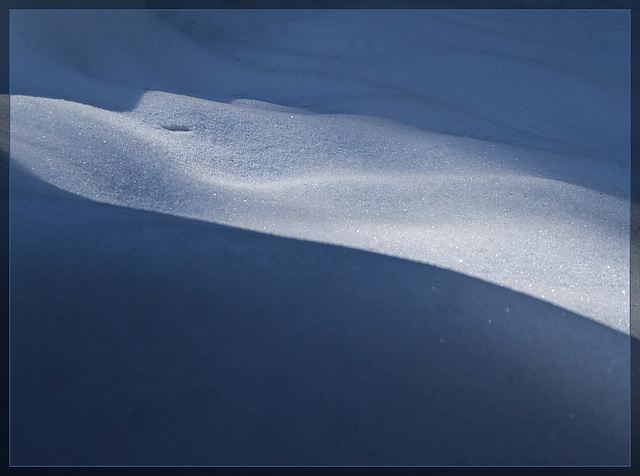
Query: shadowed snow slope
[(180, 181), (140, 338)]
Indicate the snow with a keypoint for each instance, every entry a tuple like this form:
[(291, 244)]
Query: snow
[(299, 237)]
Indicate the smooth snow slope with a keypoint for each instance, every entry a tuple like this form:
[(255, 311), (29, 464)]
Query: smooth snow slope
[(492, 143), (547, 214)]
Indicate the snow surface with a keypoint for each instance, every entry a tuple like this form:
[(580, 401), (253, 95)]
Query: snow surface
[(180, 180)]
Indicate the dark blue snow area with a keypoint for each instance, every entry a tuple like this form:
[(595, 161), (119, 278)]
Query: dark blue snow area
[(140, 338)]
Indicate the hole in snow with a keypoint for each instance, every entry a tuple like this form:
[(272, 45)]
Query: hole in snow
[(177, 128)]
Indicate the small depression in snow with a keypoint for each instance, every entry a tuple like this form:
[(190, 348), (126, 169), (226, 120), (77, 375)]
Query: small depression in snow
[(176, 128)]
